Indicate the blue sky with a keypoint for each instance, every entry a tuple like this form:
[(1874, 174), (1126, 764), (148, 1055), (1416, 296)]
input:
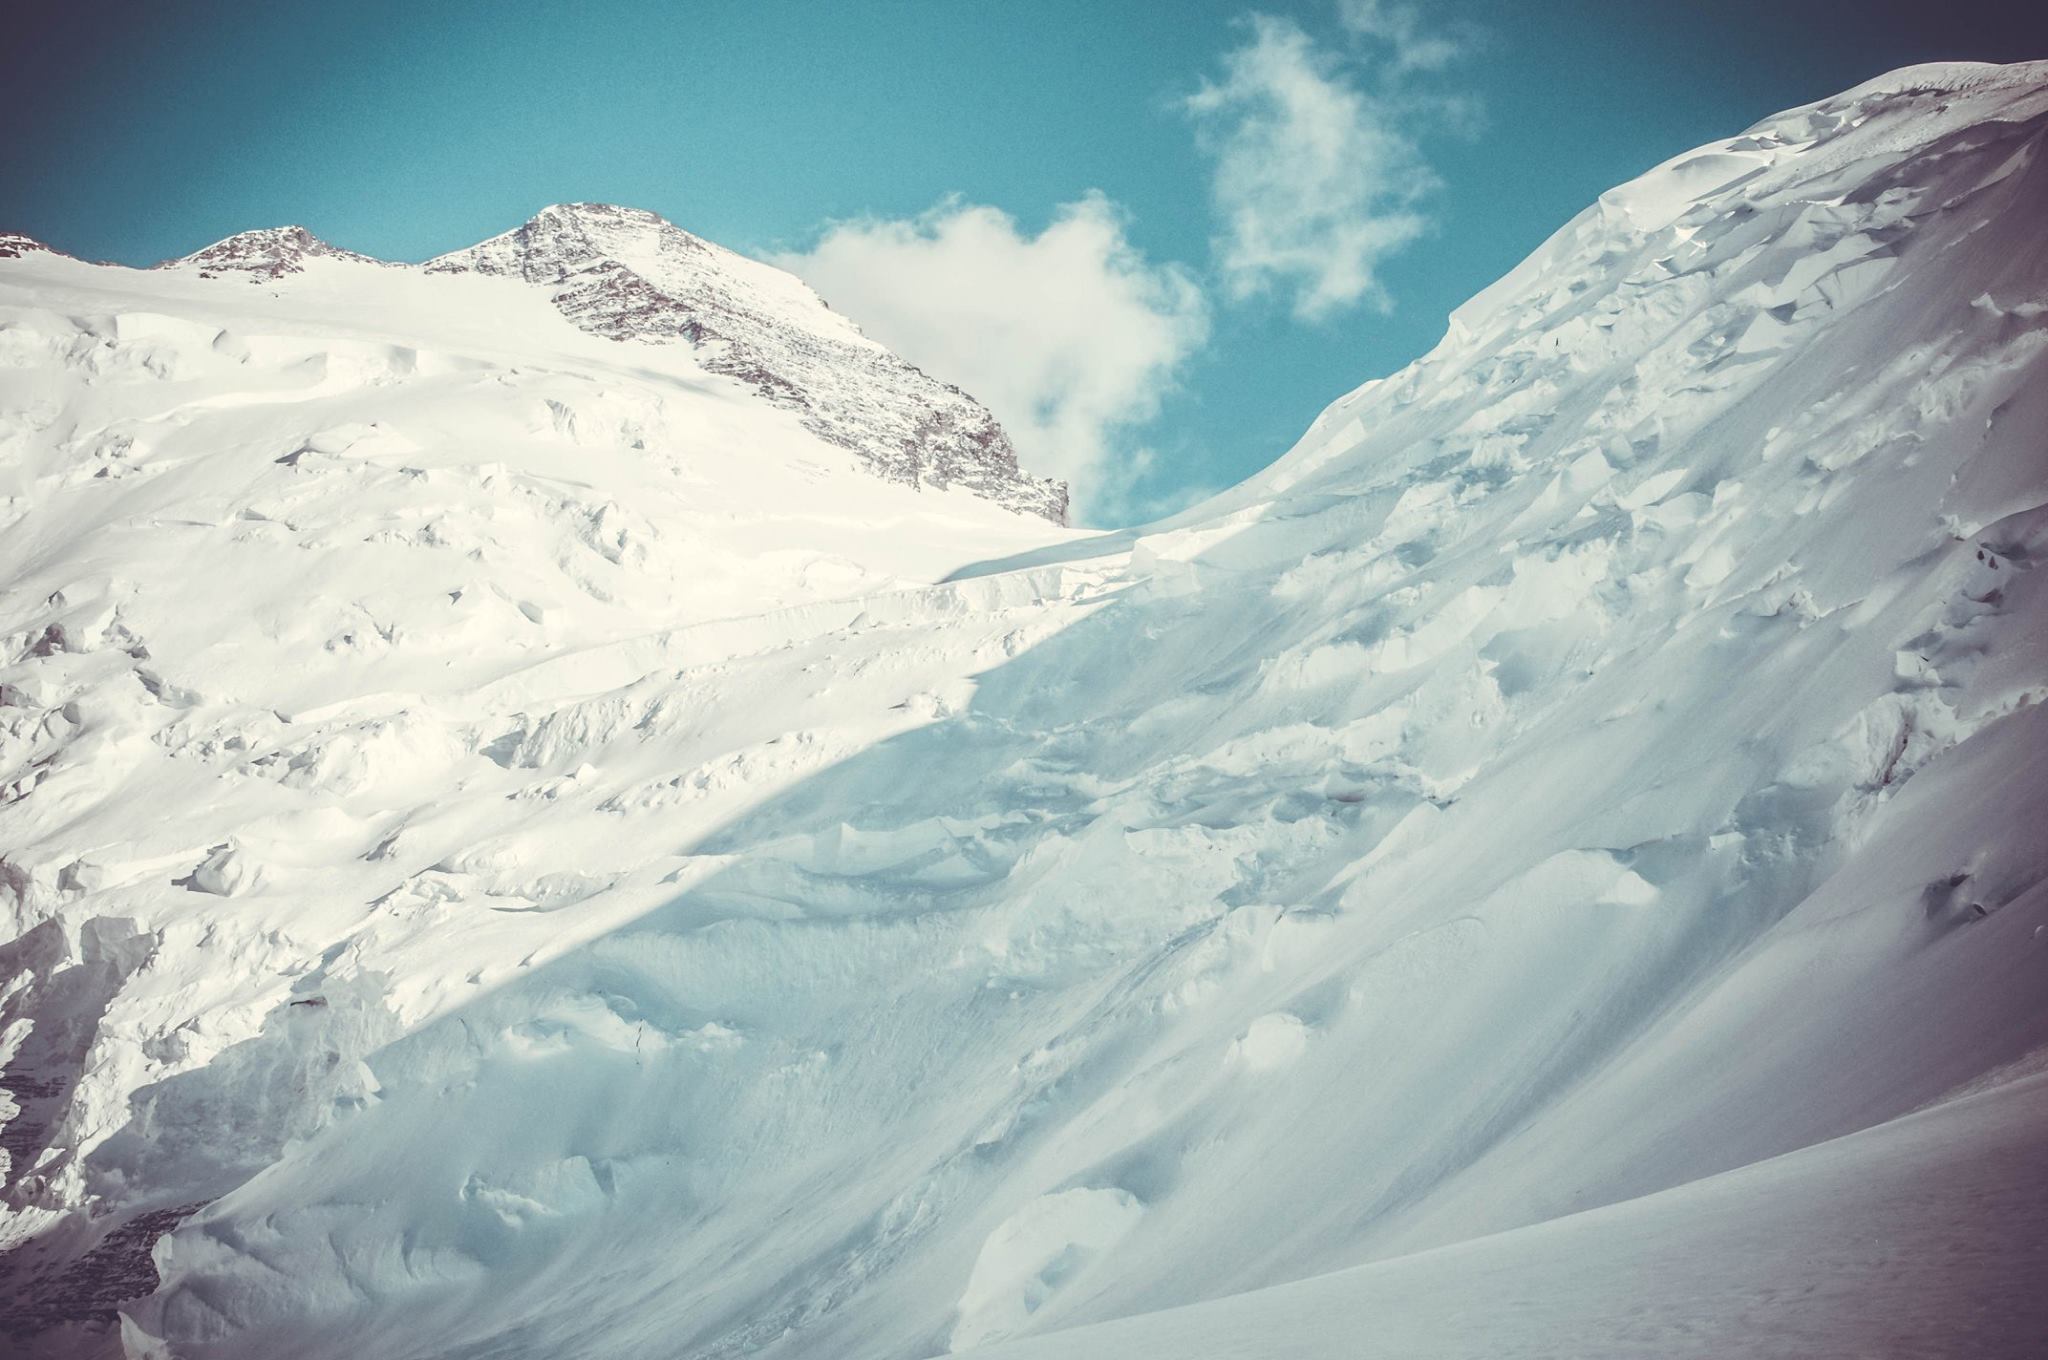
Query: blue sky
[(1156, 237)]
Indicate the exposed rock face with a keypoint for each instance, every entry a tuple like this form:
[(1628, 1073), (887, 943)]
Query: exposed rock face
[(630, 275), (13, 245), (270, 253)]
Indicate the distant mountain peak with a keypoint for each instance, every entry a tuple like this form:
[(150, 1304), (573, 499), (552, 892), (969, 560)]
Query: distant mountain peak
[(14, 245), (267, 253), (566, 239), (631, 275), (602, 212)]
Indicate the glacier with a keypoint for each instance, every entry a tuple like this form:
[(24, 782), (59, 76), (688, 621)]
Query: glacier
[(517, 842)]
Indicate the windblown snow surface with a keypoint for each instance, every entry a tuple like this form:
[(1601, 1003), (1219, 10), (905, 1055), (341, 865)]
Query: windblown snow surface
[(516, 848)]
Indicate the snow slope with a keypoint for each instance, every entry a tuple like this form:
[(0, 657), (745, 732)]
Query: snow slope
[(1566, 836), (1949, 1261), (272, 555)]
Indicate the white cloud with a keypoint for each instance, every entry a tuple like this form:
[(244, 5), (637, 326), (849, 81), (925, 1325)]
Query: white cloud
[(1318, 179), (1070, 337), (1401, 29)]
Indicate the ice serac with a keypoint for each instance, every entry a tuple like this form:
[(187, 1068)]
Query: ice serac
[(1551, 864), (629, 275)]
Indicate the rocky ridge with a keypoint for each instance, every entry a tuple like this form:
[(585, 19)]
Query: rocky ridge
[(266, 254), (629, 275)]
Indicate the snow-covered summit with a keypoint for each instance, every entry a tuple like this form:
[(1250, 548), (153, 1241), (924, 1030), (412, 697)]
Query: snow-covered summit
[(13, 245), (263, 255), (632, 277), (627, 274)]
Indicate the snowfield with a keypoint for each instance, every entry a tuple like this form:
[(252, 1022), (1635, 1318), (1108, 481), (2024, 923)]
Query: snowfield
[(516, 845)]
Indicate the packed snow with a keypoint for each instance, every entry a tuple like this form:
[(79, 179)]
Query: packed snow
[(517, 846)]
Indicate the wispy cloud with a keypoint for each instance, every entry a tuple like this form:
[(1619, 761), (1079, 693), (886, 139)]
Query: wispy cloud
[(1319, 177), (1408, 39), (1071, 337)]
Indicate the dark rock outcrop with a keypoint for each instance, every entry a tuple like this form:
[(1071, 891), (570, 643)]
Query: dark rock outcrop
[(270, 253)]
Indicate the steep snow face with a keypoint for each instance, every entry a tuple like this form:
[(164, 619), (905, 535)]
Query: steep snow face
[(1601, 758), (629, 275)]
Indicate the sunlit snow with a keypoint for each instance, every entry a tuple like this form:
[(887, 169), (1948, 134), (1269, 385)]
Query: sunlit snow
[(531, 852)]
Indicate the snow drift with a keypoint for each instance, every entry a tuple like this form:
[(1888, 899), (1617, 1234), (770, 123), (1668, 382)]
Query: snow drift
[(516, 851)]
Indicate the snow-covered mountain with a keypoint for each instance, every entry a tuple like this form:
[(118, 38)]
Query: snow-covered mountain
[(629, 275), (518, 847)]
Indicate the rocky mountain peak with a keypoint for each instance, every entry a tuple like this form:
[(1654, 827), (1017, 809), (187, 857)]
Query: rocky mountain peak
[(14, 245), (630, 275), (268, 253)]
